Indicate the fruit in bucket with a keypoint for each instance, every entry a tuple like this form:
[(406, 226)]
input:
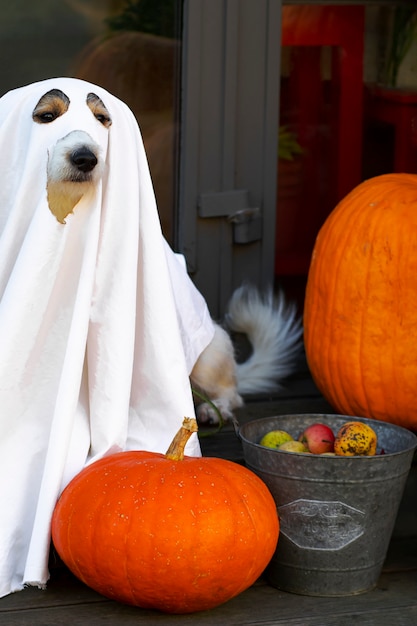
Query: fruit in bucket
[(355, 439), (293, 446), (275, 438), (168, 532), (319, 438)]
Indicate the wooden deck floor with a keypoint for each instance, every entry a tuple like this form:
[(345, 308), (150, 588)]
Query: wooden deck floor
[(67, 602)]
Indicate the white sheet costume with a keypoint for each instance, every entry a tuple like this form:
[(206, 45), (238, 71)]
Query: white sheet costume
[(99, 323)]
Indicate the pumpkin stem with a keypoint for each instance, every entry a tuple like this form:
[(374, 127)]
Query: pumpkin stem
[(175, 451)]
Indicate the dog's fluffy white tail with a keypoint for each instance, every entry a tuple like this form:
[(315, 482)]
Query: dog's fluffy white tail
[(274, 331)]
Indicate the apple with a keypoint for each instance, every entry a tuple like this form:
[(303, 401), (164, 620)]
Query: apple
[(293, 446), (275, 438), (318, 438)]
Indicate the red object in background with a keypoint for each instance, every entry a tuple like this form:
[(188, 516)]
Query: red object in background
[(328, 125), (398, 108)]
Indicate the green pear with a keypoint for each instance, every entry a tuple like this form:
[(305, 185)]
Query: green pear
[(275, 438), (293, 446)]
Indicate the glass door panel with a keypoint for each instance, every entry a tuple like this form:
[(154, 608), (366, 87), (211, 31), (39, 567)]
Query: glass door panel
[(132, 48), (348, 111)]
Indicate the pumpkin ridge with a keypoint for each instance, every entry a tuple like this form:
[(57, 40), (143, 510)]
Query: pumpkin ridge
[(99, 571), (335, 249), (358, 217), (254, 571), (316, 268), (229, 472), (71, 557), (218, 472), (373, 388), (337, 374), (67, 540), (378, 247), (130, 558), (362, 323), (376, 237), (401, 376)]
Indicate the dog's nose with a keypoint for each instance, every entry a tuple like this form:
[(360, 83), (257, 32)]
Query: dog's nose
[(84, 159)]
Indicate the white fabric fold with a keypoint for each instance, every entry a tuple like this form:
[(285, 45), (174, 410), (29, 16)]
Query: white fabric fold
[(100, 325)]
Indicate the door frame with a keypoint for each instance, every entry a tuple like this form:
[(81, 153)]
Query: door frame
[(228, 139)]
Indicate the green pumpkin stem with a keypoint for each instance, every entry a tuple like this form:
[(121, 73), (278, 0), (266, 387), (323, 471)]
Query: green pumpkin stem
[(175, 451)]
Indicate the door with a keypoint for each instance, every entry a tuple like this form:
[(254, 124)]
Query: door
[(229, 130)]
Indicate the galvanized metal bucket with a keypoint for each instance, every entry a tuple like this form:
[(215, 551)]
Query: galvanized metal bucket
[(336, 513)]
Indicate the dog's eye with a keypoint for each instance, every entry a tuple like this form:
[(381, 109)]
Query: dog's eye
[(103, 119), (98, 109), (53, 104), (46, 117)]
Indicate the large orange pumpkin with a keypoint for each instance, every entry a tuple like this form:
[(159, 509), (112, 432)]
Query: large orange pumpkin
[(360, 317), (178, 534)]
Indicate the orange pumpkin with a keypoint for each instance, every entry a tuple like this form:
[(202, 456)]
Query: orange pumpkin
[(360, 316), (168, 532)]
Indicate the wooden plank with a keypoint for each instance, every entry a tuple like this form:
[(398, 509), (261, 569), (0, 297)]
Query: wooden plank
[(399, 616), (394, 601)]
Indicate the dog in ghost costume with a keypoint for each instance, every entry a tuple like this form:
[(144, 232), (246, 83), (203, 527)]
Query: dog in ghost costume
[(100, 326), (75, 165), (96, 349)]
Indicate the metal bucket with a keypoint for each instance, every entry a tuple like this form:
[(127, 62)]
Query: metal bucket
[(336, 513)]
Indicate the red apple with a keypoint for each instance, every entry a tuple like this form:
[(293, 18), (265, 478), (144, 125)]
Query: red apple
[(318, 438)]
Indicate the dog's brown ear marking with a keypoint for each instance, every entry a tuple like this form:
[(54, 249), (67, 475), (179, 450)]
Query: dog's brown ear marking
[(98, 109), (53, 104)]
